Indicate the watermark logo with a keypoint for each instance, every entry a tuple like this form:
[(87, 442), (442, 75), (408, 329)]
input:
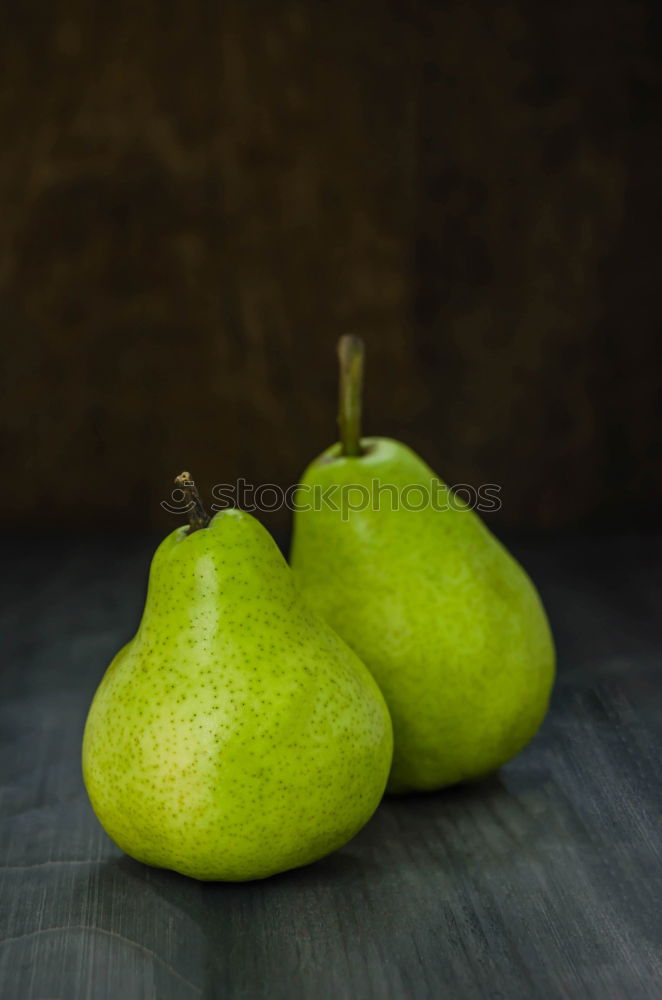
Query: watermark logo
[(345, 498)]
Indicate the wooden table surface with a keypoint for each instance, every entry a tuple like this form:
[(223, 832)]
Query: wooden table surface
[(543, 882)]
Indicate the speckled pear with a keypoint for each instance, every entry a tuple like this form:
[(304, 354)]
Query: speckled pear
[(236, 736), (447, 621)]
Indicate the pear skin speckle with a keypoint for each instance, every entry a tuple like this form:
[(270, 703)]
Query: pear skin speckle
[(236, 736), (447, 621)]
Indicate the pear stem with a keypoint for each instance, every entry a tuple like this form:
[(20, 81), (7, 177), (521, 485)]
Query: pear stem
[(351, 352), (197, 515)]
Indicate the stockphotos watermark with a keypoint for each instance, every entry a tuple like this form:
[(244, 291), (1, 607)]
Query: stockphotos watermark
[(346, 498)]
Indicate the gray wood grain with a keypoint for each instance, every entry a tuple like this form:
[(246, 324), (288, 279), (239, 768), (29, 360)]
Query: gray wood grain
[(543, 882)]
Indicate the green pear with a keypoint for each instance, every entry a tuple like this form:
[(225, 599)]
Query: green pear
[(447, 621), (235, 736)]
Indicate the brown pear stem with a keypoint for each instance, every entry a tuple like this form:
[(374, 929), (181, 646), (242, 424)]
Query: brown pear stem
[(350, 355), (197, 515)]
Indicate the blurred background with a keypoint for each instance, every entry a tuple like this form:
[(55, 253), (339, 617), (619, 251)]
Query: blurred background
[(197, 199)]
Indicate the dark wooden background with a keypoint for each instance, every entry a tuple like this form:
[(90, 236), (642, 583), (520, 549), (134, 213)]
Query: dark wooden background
[(196, 199)]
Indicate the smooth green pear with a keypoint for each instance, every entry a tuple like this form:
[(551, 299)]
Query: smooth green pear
[(447, 621), (236, 736)]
